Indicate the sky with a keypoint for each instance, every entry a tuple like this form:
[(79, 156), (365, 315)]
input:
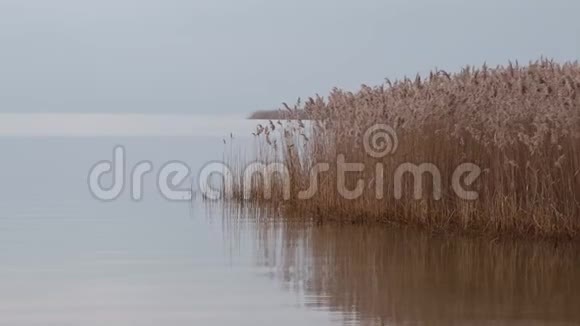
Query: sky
[(238, 56)]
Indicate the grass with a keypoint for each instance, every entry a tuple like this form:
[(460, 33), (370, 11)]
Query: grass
[(520, 124)]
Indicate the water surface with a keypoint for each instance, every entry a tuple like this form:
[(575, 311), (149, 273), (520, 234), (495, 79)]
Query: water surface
[(69, 259)]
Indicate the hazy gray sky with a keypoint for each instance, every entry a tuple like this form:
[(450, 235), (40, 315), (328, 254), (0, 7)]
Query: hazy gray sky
[(193, 56)]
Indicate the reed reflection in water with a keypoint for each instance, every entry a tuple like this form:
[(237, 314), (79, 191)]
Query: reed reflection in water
[(380, 276)]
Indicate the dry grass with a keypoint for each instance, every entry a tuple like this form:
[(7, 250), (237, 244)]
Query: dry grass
[(520, 124)]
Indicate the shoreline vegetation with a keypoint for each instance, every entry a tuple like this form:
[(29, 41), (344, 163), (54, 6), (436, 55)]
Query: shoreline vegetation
[(520, 124)]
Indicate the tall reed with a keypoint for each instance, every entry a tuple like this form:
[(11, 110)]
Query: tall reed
[(519, 124)]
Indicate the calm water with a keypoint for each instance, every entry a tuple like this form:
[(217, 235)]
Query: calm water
[(68, 259)]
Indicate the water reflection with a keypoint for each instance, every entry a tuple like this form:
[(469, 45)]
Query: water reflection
[(381, 276)]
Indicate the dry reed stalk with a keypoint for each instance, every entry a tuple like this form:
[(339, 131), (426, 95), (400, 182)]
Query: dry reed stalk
[(520, 124)]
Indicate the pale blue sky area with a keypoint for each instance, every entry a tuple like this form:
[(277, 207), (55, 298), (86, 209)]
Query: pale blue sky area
[(205, 56)]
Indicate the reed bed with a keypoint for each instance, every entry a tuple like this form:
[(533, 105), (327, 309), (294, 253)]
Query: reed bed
[(519, 124)]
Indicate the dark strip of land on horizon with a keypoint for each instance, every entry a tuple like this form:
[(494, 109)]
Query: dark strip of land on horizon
[(277, 115)]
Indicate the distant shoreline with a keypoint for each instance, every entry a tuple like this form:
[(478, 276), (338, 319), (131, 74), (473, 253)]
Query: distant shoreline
[(277, 115)]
